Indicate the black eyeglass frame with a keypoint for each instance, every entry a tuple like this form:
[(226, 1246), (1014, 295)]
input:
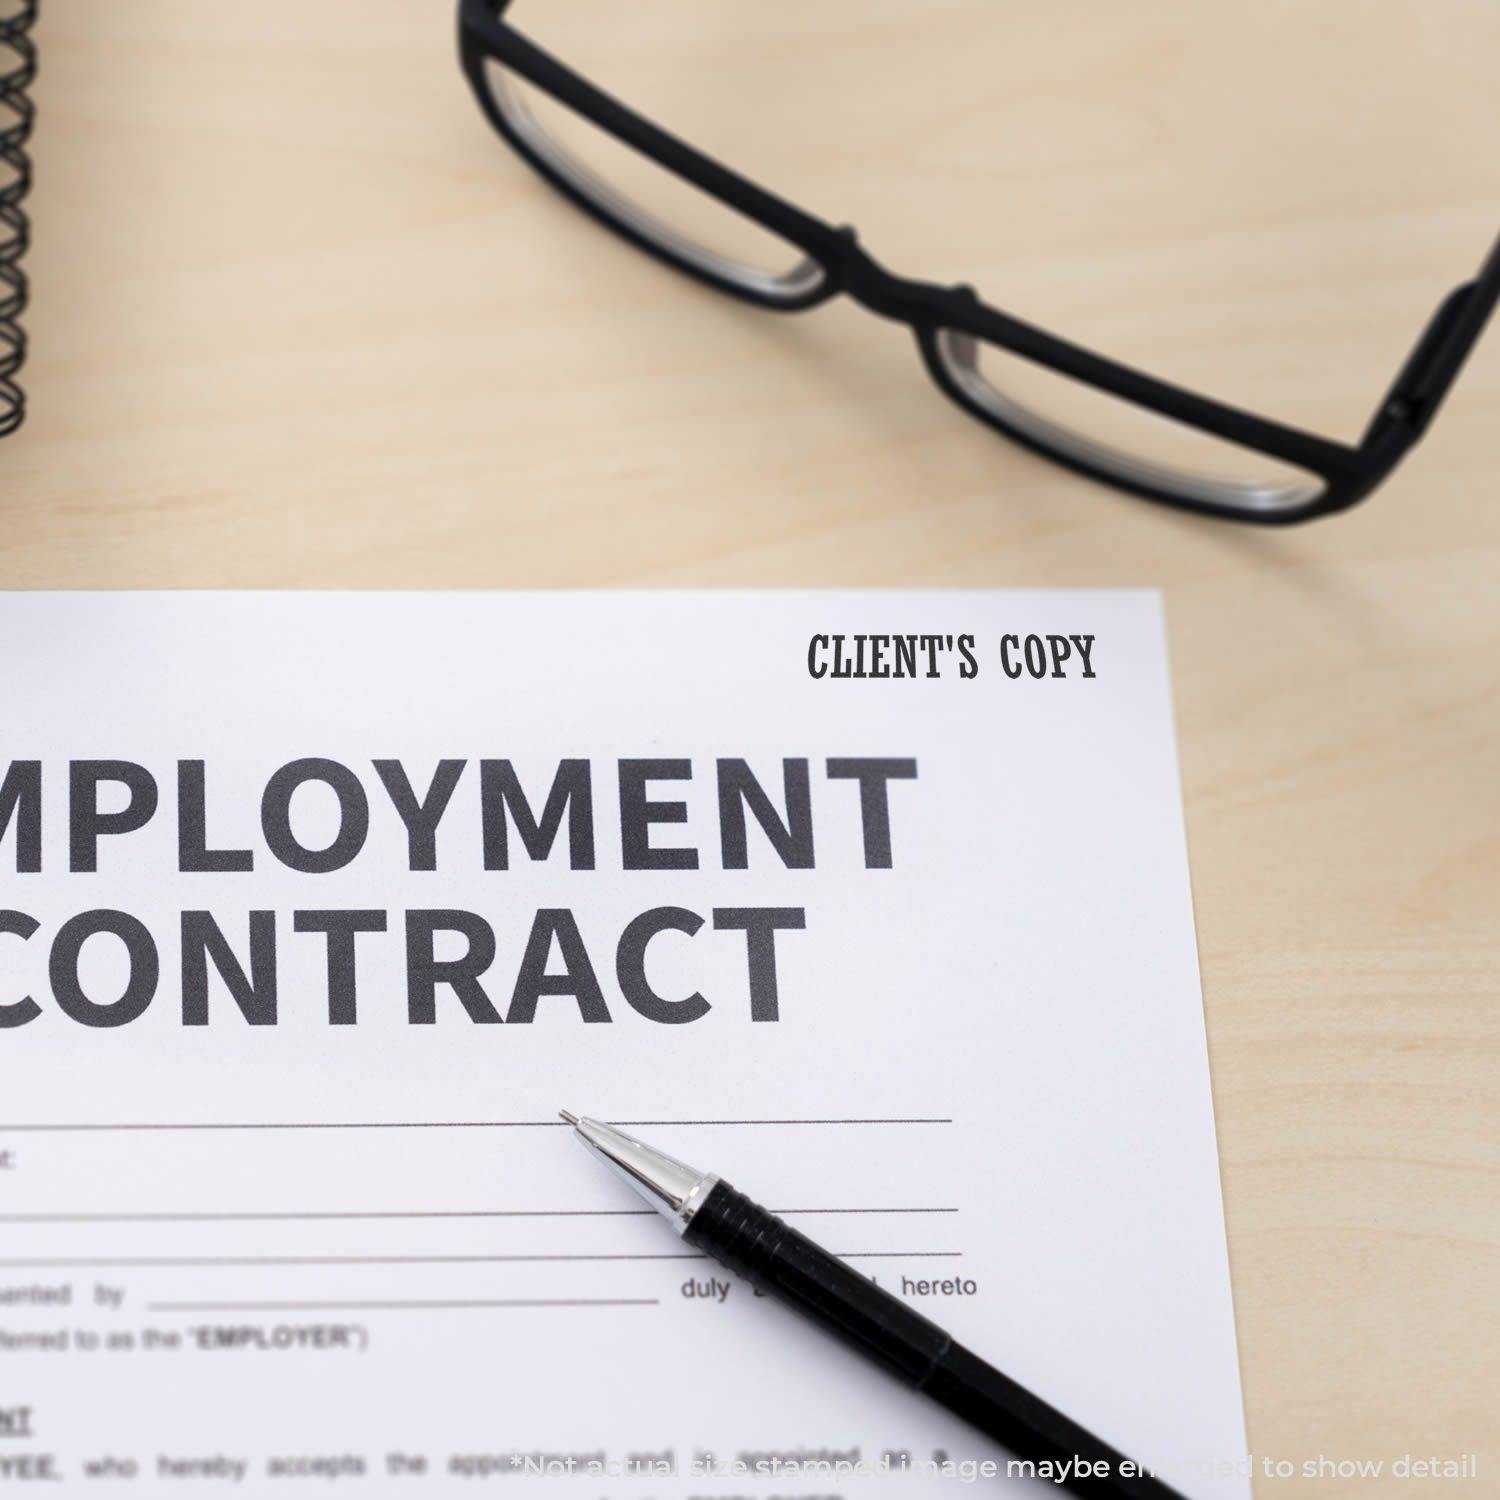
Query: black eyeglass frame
[(1348, 473)]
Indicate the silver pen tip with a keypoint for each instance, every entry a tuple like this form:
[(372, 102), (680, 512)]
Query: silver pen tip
[(668, 1185)]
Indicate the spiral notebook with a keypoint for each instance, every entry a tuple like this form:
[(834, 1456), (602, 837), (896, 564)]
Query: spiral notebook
[(17, 113)]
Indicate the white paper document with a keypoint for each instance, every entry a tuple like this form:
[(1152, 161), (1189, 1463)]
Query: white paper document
[(315, 910)]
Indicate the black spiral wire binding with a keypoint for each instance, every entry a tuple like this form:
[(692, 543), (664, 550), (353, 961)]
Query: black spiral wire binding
[(17, 69)]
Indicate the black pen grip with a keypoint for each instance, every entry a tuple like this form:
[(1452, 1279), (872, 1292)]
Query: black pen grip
[(776, 1258), (749, 1239)]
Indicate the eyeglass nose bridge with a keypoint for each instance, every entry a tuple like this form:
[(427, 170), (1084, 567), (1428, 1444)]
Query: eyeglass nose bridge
[(898, 298)]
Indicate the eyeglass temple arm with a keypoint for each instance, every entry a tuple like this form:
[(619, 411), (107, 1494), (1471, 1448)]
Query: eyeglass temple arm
[(1433, 365)]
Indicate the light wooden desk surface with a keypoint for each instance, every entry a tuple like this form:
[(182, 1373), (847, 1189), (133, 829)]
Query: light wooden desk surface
[(300, 320)]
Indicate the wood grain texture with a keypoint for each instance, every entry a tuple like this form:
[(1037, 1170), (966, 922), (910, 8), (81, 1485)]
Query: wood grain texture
[(301, 321)]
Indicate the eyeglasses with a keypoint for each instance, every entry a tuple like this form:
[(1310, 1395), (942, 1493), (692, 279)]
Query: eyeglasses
[(1103, 419)]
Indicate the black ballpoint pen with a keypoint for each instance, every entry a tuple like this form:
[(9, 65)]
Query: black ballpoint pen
[(713, 1217)]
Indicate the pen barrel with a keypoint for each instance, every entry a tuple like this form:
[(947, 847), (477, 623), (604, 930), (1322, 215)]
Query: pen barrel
[(784, 1264), (752, 1241), (997, 1405)]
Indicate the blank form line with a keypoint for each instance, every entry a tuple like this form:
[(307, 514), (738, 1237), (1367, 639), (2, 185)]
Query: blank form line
[(294, 1216), (895, 1120), (856, 1210), (435, 1124), (142, 1262), (384, 1306)]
